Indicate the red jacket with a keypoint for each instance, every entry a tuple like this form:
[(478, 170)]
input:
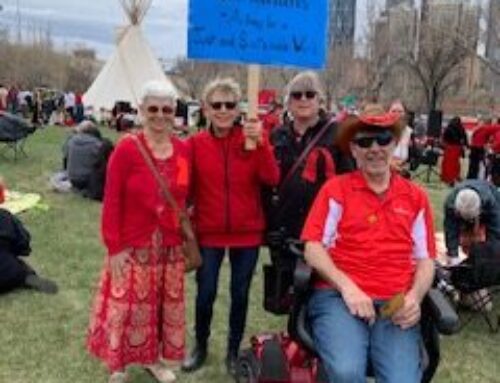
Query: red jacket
[(226, 186), (133, 208), (482, 134)]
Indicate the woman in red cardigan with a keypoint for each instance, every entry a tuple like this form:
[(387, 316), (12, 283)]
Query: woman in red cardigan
[(138, 315), (227, 181)]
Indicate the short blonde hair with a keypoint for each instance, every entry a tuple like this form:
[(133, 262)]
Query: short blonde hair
[(304, 81), (224, 85), (158, 89)]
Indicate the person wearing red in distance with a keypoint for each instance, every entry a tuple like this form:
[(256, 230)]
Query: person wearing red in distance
[(369, 236)]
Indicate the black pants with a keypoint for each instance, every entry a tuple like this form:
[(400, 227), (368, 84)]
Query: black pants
[(476, 156), (14, 242), (13, 272)]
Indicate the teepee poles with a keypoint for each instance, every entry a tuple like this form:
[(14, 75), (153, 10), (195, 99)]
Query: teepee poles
[(136, 9)]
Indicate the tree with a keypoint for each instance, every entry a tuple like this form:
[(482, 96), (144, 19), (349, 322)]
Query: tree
[(440, 57)]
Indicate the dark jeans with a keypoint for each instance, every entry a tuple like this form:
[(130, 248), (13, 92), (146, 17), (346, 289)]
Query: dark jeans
[(243, 261)]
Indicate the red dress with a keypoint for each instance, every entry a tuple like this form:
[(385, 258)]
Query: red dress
[(450, 166), (141, 317)]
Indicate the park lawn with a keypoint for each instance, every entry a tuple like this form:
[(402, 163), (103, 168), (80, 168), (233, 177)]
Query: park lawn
[(42, 337)]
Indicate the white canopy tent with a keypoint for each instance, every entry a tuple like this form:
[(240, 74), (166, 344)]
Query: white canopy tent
[(131, 65)]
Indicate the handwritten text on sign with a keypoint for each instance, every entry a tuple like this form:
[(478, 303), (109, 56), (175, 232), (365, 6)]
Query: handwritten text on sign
[(274, 32)]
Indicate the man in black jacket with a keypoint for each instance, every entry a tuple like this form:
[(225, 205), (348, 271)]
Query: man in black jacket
[(307, 155)]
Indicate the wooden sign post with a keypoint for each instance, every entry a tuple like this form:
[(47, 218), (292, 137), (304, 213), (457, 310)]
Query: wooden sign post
[(284, 33), (253, 100)]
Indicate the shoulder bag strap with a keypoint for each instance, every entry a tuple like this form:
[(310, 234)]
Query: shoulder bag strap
[(304, 154), (156, 174)]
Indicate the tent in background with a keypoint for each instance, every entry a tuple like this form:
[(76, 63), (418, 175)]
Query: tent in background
[(131, 65)]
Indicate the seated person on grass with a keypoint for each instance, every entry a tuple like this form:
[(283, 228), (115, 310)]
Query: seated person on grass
[(369, 237), (80, 154), (15, 243)]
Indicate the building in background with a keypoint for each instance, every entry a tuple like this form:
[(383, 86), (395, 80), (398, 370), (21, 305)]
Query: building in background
[(342, 22)]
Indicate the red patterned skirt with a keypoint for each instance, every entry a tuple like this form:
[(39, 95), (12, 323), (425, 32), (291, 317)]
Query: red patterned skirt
[(142, 316)]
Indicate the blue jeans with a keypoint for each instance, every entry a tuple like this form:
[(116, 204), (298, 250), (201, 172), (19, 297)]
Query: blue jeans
[(243, 261), (345, 344)]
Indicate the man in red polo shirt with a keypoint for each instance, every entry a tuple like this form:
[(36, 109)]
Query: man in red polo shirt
[(369, 236)]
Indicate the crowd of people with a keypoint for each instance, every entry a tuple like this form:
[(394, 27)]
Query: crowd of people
[(138, 316), (43, 106), (336, 184)]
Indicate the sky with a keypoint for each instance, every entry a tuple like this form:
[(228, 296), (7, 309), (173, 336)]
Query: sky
[(93, 22)]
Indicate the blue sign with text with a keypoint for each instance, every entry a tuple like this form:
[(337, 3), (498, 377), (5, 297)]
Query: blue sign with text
[(268, 32)]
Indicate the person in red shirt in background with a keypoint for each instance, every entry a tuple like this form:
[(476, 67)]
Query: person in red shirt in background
[(228, 213), (454, 142), (479, 139), (369, 236), (495, 156), (138, 314), (273, 117)]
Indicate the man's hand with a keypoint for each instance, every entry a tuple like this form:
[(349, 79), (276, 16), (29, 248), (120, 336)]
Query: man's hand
[(252, 130), (117, 264), (358, 303), (408, 315)]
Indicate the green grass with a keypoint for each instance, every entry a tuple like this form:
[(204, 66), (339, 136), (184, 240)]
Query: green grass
[(42, 337)]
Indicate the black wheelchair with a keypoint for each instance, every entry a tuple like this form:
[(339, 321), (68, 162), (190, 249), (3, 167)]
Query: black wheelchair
[(290, 357)]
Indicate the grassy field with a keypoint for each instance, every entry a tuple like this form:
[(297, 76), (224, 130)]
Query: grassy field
[(42, 337)]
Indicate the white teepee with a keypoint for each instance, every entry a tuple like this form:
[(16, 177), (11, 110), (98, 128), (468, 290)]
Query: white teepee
[(131, 65)]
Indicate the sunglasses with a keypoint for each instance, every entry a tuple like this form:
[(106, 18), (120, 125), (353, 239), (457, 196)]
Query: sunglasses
[(382, 139), (309, 94), (228, 105), (153, 109)]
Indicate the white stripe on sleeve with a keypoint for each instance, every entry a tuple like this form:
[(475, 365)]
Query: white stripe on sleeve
[(419, 235), (331, 223)]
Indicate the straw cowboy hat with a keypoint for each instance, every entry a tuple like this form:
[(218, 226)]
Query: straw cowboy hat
[(372, 117)]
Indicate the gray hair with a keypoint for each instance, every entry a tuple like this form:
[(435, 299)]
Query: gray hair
[(85, 126), (304, 81), (159, 89), (224, 85), (468, 204)]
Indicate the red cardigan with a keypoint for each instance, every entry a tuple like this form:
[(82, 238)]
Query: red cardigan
[(133, 207), (226, 183)]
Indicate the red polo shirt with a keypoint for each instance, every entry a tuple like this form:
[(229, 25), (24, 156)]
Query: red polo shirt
[(374, 240)]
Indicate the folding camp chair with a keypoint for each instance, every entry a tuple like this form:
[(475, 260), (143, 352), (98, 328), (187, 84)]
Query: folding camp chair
[(14, 132)]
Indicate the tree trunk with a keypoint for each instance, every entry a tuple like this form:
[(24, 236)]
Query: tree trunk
[(433, 99)]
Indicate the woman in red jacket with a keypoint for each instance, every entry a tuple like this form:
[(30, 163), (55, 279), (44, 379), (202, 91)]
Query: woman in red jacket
[(138, 315), (227, 182)]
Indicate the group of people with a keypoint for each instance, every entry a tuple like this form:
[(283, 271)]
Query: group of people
[(43, 106), (484, 151), (368, 235)]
